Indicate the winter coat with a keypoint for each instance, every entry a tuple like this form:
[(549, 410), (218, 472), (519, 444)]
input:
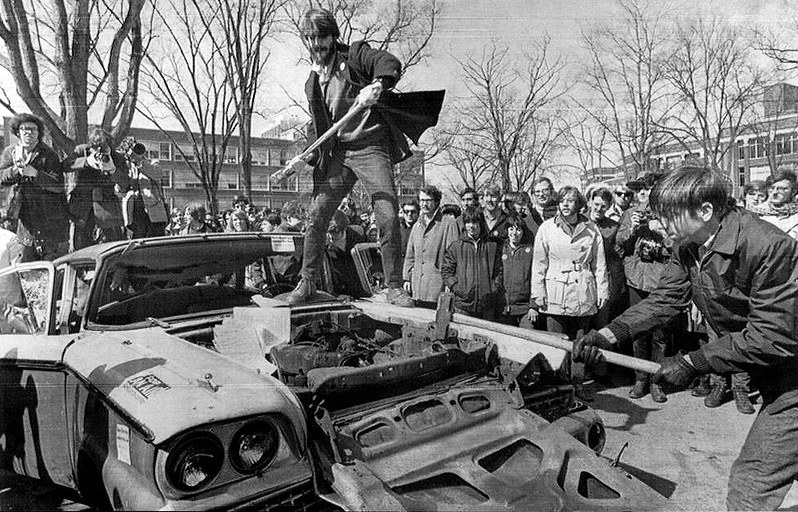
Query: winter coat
[(147, 189), (785, 218), (517, 277), (473, 272), (39, 203), (569, 270), (642, 275), (499, 228), (614, 261), (424, 258), (746, 287), (91, 191)]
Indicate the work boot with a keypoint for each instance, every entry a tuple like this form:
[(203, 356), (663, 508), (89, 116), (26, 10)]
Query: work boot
[(304, 290), (639, 390), (702, 388), (716, 397), (399, 297), (657, 394), (742, 401)]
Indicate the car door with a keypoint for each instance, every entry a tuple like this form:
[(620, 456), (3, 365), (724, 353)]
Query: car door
[(33, 437), (368, 263)]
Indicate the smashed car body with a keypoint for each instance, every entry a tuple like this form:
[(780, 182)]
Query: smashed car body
[(169, 375)]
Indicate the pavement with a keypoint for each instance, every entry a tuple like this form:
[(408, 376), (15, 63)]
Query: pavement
[(680, 448)]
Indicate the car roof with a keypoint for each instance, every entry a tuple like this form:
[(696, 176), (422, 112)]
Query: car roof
[(99, 251)]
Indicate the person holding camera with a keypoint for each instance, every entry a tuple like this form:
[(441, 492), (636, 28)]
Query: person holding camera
[(97, 180), (32, 190), (144, 204), (645, 257)]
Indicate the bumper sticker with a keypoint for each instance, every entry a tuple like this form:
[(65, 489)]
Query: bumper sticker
[(123, 443)]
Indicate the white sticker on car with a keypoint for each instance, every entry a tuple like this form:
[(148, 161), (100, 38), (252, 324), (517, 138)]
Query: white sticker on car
[(283, 243), (123, 443)]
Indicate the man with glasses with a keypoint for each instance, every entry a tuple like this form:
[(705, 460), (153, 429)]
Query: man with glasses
[(32, 190), (622, 198), (544, 204), (779, 209), (426, 248), (409, 216)]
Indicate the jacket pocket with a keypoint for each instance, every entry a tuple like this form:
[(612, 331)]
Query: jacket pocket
[(556, 285)]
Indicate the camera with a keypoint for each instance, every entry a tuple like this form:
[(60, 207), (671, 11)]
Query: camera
[(653, 251)]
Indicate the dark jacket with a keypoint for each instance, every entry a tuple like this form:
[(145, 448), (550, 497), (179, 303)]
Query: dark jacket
[(41, 201), (499, 228), (517, 277), (94, 192), (617, 278), (534, 219), (473, 272), (642, 275), (404, 114), (746, 286), (404, 234)]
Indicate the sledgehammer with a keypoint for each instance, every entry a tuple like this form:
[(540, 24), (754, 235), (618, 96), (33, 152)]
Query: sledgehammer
[(553, 340)]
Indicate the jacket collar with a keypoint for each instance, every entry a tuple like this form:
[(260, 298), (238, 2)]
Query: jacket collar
[(581, 224), (728, 233)]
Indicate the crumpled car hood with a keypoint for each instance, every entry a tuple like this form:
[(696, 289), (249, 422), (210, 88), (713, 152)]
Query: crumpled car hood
[(168, 385)]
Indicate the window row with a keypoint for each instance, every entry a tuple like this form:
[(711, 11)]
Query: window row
[(782, 144), (227, 181), (166, 151)]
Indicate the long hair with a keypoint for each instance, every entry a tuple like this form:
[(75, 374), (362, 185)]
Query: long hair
[(685, 190)]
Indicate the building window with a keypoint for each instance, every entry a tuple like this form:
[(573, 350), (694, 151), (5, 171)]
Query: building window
[(231, 157), (260, 182), (188, 152), (289, 185), (260, 156), (741, 175), (740, 150), (165, 151), (166, 178), (283, 157)]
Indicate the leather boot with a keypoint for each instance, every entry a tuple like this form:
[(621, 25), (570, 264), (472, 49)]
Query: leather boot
[(742, 401), (702, 388), (657, 394), (639, 390), (717, 396), (304, 290)]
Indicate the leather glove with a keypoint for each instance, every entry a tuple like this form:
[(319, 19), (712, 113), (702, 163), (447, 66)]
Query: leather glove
[(676, 372), (586, 348)]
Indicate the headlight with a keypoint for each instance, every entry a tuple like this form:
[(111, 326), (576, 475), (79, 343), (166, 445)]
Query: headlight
[(254, 446), (194, 462)]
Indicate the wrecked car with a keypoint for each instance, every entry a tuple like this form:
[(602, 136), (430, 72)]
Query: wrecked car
[(166, 373)]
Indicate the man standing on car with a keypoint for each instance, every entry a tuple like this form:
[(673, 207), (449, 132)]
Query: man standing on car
[(742, 273), (364, 149)]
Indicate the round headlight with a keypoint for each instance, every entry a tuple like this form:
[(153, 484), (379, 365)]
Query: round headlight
[(194, 462), (254, 446)]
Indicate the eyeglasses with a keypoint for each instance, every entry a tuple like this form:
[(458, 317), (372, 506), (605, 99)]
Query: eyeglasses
[(28, 129), (540, 192), (624, 194), (409, 212)]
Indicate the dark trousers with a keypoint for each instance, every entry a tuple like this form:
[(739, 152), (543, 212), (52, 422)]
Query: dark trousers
[(84, 234), (574, 327), (768, 461), (372, 166), (651, 345)]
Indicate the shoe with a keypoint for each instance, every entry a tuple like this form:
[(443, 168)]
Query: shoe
[(639, 390), (742, 401), (716, 397), (702, 388), (657, 394), (304, 290), (399, 297)]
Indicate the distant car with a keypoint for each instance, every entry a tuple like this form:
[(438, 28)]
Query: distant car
[(166, 374)]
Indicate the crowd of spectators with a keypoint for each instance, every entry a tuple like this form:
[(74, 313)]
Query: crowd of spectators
[(557, 259)]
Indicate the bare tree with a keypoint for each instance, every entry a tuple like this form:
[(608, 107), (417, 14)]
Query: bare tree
[(87, 53), (588, 141), (716, 85), (188, 81), (626, 82), (246, 25), (510, 121)]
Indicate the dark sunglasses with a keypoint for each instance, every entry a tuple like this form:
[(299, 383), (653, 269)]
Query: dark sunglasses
[(626, 194), (410, 211)]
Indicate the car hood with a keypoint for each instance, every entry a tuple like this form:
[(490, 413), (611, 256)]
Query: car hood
[(166, 385)]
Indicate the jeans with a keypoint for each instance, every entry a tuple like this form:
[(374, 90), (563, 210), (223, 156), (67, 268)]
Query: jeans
[(574, 327), (372, 166), (768, 462)]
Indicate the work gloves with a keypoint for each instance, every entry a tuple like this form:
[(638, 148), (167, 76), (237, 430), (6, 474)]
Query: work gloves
[(586, 348), (676, 372)]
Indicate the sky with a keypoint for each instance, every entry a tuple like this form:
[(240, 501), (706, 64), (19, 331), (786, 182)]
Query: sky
[(467, 27)]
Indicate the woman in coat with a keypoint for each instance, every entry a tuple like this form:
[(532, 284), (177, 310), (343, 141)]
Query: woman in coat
[(569, 272), (426, 247)]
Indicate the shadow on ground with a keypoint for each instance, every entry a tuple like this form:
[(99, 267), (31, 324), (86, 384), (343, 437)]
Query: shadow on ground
[(662, 485), (634, 414)]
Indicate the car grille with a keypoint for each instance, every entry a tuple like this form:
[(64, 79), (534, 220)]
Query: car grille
[(552, 404), (300, 498)]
